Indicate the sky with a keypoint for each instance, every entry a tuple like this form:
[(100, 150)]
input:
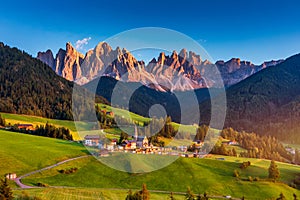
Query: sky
[(255, 30)]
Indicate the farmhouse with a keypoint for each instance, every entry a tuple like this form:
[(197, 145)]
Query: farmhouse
[(92, 140), (233, 143), (110, 113), (27, 127), (11, 176), (129, 144)]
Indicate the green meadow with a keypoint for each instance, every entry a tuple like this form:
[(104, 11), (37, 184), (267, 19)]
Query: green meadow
[(21, 153), (202, 175), (88, 194), (23, 119)]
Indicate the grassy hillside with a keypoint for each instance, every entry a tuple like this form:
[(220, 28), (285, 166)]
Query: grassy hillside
[(18, 118), (21, 153), (210, 175), (87, 194)]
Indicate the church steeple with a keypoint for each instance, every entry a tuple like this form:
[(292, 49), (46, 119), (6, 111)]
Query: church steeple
[(135, 133)]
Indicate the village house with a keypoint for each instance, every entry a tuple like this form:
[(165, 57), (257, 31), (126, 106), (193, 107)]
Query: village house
[(104, 153), (129, 144), (11, 176), (92, 140), (110, 113), (230, 142), (26, 127)]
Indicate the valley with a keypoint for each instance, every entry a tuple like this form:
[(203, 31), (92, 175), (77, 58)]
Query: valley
[(203, 175)]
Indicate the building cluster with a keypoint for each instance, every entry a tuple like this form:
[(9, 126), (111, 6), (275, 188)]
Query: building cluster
[(139, 145)]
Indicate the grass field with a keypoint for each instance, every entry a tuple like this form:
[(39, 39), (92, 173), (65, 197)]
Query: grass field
[(122, 112), (87, 193), (17, 118), (21, 153), (202, 175)]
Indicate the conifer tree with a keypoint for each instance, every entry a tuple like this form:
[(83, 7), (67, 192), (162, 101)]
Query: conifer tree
[(274, 172), (5, 191)]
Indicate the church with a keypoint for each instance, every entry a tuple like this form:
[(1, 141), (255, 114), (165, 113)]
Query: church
[(141, 141)]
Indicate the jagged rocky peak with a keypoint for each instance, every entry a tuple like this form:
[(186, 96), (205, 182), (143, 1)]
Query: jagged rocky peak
[(271, 63), (182, 71), (194, 59), (161, 58), (103, 49), (47, 58), (70, 50)]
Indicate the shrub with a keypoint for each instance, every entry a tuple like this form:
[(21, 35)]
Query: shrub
[(42, 185), (68, 171), (236, 173), (250, 178), (244, 165), (293, 185)]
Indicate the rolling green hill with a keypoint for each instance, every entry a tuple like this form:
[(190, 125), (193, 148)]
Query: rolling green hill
[(35, 120), (21, 153), (210, 175)]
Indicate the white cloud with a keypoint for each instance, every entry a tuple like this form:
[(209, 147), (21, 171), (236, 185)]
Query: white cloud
[(81, 43)]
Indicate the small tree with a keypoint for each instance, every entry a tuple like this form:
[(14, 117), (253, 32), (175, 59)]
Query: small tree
[(205, 197), (5, 190), (295, 197), (236, 173), (129, 196), (171, 197), (297, 156), (274, 172), (145, 193), (140, 195), (281, 197), (2, 121), (189, 194)]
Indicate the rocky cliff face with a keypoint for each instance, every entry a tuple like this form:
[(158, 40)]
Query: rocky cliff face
[(47, 58), (66, 63), (235, 70), (183, 71)]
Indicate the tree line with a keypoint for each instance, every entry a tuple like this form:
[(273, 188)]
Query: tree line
[(47, 130)]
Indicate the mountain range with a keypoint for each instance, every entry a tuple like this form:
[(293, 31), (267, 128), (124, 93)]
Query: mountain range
[(179, 72), (266, 102)]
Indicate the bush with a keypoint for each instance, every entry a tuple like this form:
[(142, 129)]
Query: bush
[(236, 173), (293, 185), (68, 171), (250, 178), (244, 165), (42, 185)]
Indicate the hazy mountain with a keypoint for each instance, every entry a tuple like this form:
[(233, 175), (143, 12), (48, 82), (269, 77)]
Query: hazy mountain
[(180, 72)]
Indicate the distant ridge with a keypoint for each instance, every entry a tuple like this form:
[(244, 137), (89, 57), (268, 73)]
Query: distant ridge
[(180, 72)]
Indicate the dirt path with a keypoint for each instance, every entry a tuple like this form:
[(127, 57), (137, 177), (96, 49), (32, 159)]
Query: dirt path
[(21, 185)]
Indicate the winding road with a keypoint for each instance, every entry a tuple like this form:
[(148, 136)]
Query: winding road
[(21, 185)]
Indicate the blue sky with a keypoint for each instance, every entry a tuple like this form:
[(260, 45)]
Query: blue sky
[(252, 30)]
